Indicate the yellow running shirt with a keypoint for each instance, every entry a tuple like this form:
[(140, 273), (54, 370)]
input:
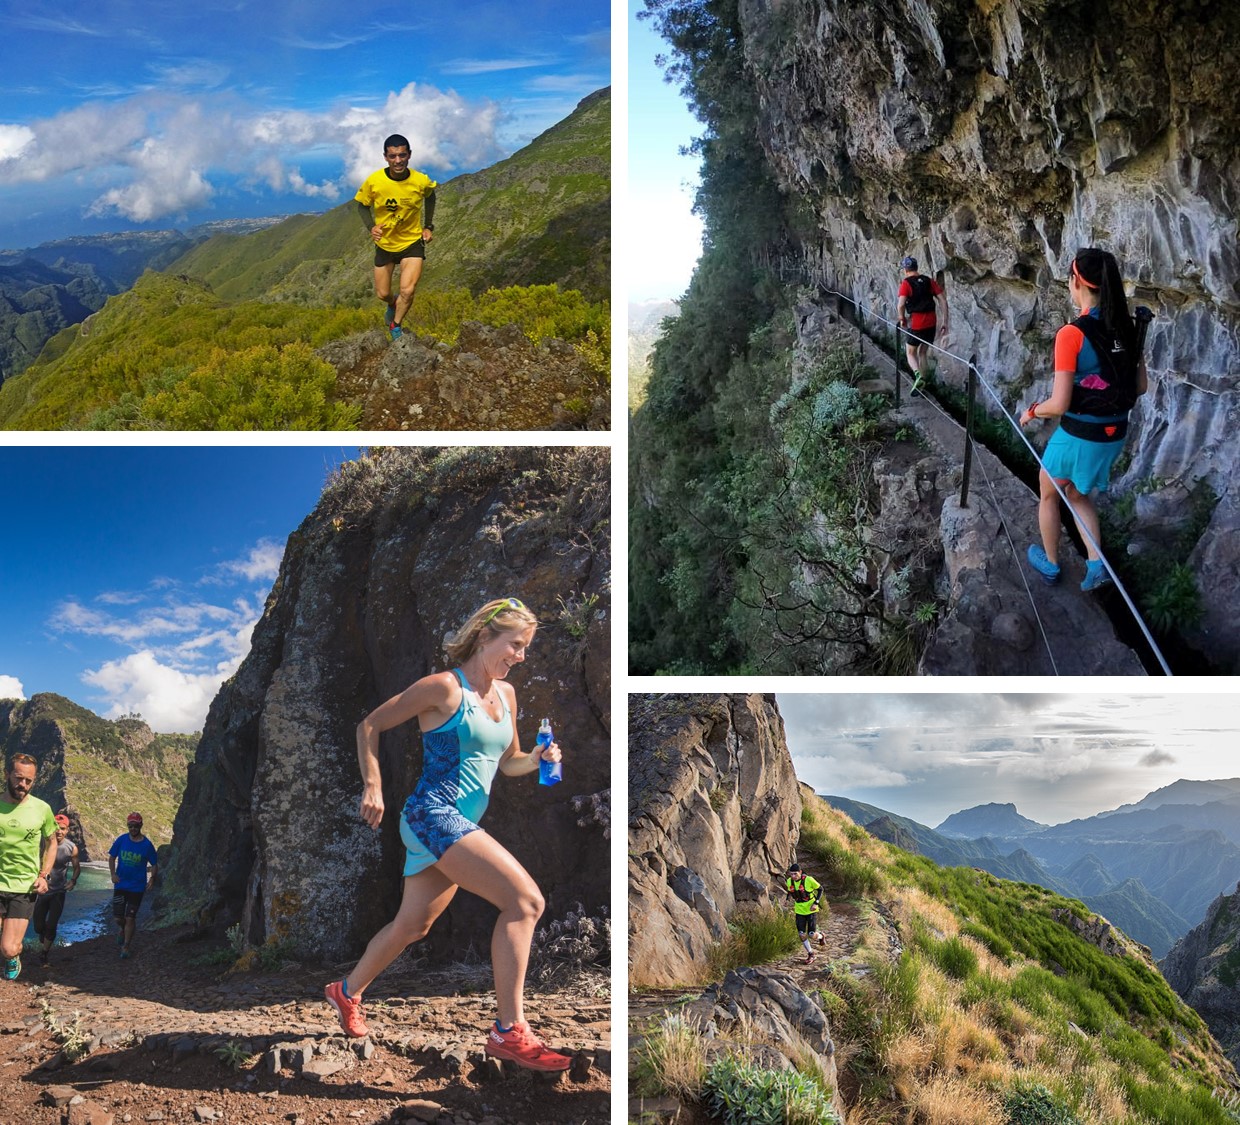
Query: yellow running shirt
[(396, 205)]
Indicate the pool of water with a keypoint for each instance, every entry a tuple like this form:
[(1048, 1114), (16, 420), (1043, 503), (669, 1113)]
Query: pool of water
[(87, 906)]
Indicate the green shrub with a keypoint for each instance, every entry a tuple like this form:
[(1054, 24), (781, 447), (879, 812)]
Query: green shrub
[(669, 1060), (753, 939), (739, 1093), (1030, 1103), (955, 958)]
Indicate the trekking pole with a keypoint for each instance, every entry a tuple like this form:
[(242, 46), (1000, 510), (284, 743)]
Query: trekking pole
[(968, 433)]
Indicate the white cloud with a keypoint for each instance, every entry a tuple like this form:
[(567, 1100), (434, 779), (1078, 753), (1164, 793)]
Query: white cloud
[(14, 140), (167, 698), (163, 153), (489, 66), (11, 688), (262, 561)]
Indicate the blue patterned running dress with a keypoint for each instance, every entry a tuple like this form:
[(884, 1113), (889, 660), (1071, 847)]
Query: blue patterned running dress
[(459, 760)]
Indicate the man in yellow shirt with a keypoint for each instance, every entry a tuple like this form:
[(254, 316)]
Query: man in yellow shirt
[(390, 202), (805, 892), (26, 829)]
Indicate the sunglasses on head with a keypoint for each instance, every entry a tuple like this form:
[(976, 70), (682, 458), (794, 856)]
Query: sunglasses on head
[(507, 603)]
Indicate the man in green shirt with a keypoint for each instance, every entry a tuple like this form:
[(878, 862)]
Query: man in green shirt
[(27, 829), (805, 891)]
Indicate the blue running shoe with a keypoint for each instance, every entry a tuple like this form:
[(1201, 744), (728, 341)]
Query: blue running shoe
[(1047, 569), (1096, 575), (394, 332), (389, 317), (12, 968)]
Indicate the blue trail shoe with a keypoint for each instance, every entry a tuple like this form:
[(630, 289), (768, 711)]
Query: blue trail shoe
[(389, 317), (1047, 569), (12, 968), (394, 331), (1096, 575)]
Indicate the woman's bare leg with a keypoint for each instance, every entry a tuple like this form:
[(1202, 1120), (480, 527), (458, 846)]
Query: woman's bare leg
[(1048, 516), (1086, 516), (424, 898), (483, 866)]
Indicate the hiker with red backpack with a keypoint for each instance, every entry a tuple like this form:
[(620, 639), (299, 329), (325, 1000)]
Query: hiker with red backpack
[(1099, 375), (921, 303)]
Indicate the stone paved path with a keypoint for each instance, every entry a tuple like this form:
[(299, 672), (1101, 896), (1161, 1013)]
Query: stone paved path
[(160, 1027)]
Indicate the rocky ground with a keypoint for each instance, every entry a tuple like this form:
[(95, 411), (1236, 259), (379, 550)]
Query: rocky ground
[(169, 1037), (842, 930), (492, 379)]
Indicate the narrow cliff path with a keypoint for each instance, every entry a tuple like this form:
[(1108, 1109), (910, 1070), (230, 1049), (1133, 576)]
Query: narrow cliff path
[(161, 1028)]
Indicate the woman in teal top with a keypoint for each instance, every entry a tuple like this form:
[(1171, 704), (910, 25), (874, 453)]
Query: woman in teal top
[(469, 732)]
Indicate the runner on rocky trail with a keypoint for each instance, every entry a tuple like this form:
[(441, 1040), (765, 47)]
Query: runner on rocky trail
[(1099, 375), (467, 719), (805, 891), (128, 859), (920, 303), (51, 903), (26, 857), (390, 203)]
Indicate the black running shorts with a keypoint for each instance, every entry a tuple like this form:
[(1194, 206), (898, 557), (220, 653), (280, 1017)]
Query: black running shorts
[(17, 905), (393, 257), (925, 335), (806, 923), (125, 903)]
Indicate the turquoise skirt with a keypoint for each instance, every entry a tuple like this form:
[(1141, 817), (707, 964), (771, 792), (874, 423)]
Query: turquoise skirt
[(1087, 464)]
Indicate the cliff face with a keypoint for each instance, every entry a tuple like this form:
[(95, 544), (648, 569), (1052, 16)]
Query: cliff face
[(714, 817), (1204, 968), (98, 770), (991, 140), (402, 545)]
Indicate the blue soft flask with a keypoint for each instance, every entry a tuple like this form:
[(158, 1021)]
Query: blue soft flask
[(549, 773)]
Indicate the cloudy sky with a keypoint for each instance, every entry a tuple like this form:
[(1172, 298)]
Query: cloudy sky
[(117, 115), (131, 579), (662, 182), (1056, 757)]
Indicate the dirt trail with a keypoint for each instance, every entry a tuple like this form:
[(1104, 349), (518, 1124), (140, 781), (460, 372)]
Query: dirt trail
[(159, 1023)]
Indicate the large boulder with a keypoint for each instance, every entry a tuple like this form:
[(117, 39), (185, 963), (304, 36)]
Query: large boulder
[(403, 544)]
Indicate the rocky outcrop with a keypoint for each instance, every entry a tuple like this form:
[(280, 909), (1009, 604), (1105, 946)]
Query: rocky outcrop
[(491, 379), (1203, 967), (97, 770), (402, 545), (993, 140), (1095, 930), (714, 817)]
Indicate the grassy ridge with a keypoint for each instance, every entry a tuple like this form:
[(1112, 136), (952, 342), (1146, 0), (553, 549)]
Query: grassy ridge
[(170, 354), (540, 217), (992, 991)]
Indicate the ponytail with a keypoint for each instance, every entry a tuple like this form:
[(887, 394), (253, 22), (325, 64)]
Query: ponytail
[(1099, 270)]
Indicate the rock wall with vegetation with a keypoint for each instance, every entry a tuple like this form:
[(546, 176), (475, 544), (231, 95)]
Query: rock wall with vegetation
[(403, 544), (990, 140), (97, 771), (713, 820), (1204, 968)]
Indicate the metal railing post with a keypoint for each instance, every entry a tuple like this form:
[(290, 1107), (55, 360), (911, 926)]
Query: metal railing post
[(968, 434), (897, 367)]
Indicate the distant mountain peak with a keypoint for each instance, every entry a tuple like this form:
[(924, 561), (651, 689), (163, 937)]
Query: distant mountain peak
[(994, 819)]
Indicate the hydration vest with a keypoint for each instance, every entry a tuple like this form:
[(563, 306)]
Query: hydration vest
[(921, 300)]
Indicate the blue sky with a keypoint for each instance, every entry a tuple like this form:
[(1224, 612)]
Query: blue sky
[(662, 182), (118, 115), (132, 578), (1056, 757)]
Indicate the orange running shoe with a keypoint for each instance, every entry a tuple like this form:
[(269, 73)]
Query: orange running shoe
[(523, 1047), (348, 1009)]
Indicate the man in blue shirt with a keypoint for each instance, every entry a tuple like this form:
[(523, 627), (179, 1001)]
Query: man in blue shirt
[(128, 859)]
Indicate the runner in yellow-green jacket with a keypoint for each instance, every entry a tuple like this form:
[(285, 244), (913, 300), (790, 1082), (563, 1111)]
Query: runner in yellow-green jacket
[(805, 891)]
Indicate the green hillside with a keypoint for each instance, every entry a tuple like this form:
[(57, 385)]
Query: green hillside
[(965, 999), (540, 217), (99, 770)]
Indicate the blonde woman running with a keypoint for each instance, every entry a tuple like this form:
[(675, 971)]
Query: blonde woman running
[(468, 732)]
